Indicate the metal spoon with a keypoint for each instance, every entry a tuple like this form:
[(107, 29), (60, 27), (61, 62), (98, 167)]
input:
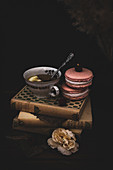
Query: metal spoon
[(70, 56)]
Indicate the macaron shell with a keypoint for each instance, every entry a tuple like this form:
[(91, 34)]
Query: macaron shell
[(66, 88), (76, 98), (79, 86), (84, 75)]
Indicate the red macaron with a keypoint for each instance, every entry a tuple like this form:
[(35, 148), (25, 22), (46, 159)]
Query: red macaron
[(74, 93), (78, 79)]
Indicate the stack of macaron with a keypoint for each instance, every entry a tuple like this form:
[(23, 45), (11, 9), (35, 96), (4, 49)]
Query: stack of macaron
[(77, 81)]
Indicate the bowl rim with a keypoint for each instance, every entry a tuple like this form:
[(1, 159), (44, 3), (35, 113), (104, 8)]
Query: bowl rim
[(39, 83)]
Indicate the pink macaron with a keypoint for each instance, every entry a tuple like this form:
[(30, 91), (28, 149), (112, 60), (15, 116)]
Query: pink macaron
[(78, 79), (74, 93)]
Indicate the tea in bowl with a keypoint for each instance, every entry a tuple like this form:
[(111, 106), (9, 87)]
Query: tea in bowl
[(40, 82)]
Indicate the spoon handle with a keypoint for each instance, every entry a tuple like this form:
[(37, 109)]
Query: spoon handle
[(70, 56)]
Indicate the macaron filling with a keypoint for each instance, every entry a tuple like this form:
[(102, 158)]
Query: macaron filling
[(78, 83)]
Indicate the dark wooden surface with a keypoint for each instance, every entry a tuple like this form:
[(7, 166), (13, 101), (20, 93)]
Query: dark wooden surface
[(42, 34)]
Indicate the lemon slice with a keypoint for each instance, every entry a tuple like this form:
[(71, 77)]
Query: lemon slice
[(34, 78)]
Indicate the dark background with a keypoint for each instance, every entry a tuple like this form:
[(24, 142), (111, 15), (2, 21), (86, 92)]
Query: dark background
[(40, 33)]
